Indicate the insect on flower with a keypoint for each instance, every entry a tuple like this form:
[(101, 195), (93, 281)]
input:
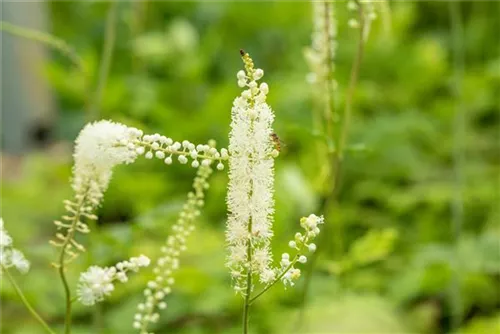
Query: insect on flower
[(277, 142)]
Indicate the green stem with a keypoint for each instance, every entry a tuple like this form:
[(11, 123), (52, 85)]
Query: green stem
[(106, 57), (276, 280), (329, 79), (337, 155), (61, 268), (25, 301), (46, 39), (457, 32), (246, 307)]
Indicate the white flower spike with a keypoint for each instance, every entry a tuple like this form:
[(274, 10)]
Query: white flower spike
[(251, 181)]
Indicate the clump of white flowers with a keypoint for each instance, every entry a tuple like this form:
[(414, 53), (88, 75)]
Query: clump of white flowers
[(97, 283), (322, 52), (100, 147), (9, 256), (251, 180), (168, 263)]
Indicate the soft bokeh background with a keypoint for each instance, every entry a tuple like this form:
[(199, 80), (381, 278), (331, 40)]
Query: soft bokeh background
[(388, 259)]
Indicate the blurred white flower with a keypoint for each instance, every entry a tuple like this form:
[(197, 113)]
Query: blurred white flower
[(9, 256), (96, 283), (5, 239)]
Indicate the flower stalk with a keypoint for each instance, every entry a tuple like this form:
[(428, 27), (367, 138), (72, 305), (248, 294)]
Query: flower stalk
[(336, 156), (25, 301)]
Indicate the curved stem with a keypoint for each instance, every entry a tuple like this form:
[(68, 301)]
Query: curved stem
[(25, 301), (67, 292), (61, 268), (46, 39), (276, 280)]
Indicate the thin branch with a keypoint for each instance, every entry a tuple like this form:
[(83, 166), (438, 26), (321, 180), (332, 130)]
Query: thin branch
[(246, 307), (62, 263), (276, 280), (338, 154), (47, 39), (25, 301)]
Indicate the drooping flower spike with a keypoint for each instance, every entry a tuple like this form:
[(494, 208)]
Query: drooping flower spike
[(160, 287), (100, 147)]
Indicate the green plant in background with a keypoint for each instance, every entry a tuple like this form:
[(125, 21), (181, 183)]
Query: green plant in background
[(103, 145)]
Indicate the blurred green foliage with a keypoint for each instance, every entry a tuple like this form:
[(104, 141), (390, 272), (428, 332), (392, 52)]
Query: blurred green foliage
[(390, 260)]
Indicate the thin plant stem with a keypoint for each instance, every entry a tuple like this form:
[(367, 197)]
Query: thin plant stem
[(246, 307), (46, 39), (276, 280), (106, 57), (137, 25), (61, 267), (25, 301), (329, 85), (459, 129), (337, 156)]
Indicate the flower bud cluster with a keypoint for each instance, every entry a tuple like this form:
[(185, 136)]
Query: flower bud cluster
[(168, 263), (300, 243), (9, 256), (164, 148), (97, 283)]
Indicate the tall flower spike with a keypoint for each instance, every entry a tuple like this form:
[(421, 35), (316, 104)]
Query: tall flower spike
[(168, 263), (251, 181), (9, 256)]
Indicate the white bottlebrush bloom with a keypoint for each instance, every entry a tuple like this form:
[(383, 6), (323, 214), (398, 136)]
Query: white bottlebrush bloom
[(96, 283), (100, 146), (9, 256), (251, 180)]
